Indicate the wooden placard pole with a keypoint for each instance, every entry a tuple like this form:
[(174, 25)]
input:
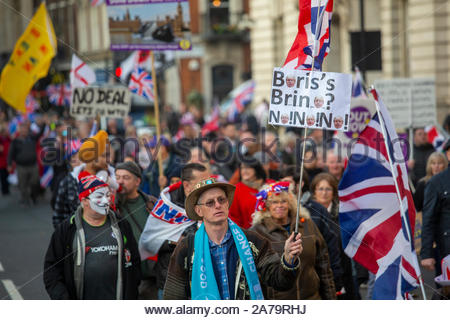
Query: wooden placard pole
[(299, 196), (158, 127)]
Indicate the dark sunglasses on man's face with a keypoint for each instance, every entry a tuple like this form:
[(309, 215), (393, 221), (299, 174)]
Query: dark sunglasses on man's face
[(211, 202)]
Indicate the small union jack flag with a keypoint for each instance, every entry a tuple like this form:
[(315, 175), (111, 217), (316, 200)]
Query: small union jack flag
[(141, 83), (31, 104), (313, 37), (59, 94)]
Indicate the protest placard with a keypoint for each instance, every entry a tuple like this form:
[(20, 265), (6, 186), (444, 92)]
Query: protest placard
[(149, 24), (310, 99), (361, 111), (106, 102), (411, 102)]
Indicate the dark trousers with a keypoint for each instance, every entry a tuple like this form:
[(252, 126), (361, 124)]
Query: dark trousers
[(29, 183), (4, 180)]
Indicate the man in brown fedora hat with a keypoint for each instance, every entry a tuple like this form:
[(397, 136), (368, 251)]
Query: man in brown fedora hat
[(222, 261)]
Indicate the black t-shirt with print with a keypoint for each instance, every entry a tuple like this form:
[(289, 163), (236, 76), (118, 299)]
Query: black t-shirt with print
[(100, 271)]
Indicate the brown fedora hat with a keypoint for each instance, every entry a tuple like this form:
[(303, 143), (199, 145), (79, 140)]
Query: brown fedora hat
[(202, 186)]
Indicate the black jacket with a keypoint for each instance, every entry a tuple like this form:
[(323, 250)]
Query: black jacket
[(322, 219), (436, 216), (59, 270), (22, 151), (421, 154)]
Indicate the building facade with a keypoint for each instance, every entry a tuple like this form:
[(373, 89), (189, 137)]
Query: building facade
[(220, 56), (402, 38)]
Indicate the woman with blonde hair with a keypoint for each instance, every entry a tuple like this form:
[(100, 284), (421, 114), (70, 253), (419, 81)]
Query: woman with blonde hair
[(275, 219), (436, 163)]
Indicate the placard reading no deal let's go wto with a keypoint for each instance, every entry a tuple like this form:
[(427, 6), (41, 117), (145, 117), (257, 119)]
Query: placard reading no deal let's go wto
[(310, 99)]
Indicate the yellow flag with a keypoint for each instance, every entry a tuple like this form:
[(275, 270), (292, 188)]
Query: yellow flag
[(29, 61)]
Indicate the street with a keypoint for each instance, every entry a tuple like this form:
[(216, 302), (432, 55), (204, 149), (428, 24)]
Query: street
[(24, 237)]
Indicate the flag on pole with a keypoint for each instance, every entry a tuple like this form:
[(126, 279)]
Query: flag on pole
[(140, 59), (238, 99), (358, 85), (315, 15), (141, 83), (374, 230), (435, 137), (29, 61), (59, 94), (81, 75)]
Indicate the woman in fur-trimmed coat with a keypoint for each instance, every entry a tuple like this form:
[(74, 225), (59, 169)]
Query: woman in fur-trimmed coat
[(276, 221)]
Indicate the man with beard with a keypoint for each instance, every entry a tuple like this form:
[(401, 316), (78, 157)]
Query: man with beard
[(134, 206)]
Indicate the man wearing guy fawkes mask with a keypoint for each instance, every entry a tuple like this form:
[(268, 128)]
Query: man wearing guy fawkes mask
[(92, 255)]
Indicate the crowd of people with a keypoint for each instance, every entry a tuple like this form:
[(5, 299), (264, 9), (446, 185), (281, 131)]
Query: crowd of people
[(217, 221)]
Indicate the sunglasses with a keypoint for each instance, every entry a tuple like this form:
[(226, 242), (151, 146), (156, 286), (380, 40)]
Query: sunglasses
[(211, 202)]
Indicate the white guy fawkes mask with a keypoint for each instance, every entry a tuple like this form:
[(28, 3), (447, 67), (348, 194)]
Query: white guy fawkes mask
[(99, 200)]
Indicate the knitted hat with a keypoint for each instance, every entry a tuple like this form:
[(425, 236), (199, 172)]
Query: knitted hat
[(272, 189), (88, 185), (93, 147), (131, 167)]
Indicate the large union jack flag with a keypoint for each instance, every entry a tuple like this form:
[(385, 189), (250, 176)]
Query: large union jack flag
[(313, 39), (59, 94), (374, 231), (141, 83)]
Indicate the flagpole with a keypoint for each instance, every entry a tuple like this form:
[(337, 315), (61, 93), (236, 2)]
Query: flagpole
[(299, 197), (402, 209), (158, 128)]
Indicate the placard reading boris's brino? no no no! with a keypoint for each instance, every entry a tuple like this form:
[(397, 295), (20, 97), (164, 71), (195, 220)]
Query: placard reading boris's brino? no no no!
[(308, 99)]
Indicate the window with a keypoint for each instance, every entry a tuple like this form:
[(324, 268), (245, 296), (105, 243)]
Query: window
[(366, 54), (222, 77), (219, 15)]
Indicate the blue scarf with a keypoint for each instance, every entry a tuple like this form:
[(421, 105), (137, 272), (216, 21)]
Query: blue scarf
[(204, 285)]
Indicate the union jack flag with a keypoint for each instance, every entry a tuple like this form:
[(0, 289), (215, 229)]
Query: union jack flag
[(141, 83), (71, 147), (59, 94), (374, 230), (313, 36), (238, 99), (31, 104)]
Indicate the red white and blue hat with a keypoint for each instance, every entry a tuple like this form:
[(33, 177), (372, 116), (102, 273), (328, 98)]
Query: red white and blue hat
[(88, 184), (273, 189)]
